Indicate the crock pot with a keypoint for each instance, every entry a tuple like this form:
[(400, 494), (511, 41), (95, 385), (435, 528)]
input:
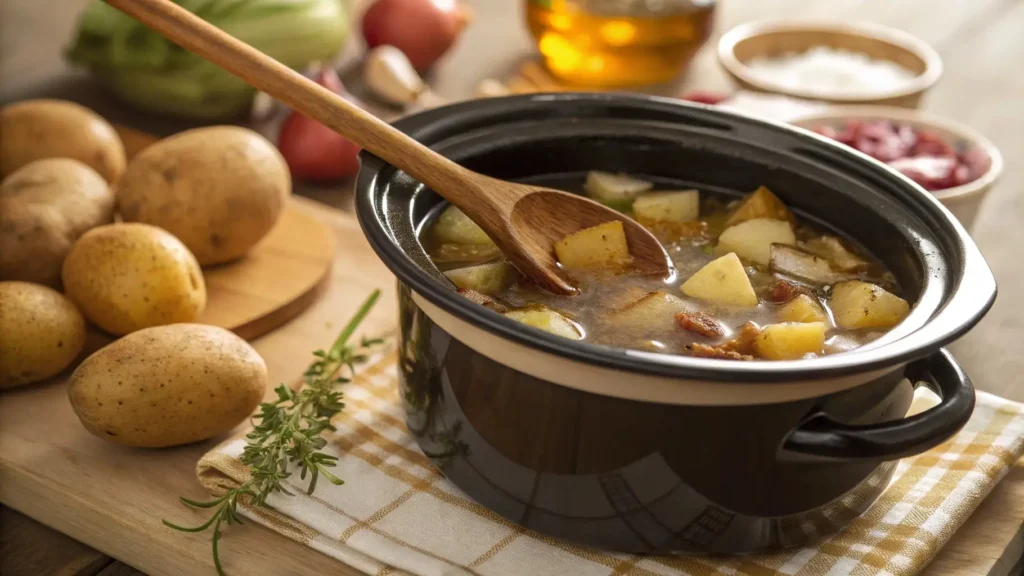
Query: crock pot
[(650, 453)]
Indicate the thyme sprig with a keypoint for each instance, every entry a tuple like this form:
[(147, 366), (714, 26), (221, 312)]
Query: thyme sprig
[(289, 431)]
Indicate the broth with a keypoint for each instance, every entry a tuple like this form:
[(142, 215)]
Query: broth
[(815, 293)]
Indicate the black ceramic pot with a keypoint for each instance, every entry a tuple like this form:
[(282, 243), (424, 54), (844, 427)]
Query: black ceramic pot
[(642, 452)]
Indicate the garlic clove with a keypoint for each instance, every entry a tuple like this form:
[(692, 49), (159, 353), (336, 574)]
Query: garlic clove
[(391, 77), (491, 88)]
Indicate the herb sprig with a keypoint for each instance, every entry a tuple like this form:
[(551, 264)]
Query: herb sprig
[(289, 431)]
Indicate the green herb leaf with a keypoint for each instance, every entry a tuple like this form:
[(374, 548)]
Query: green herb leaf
[(290, 432)]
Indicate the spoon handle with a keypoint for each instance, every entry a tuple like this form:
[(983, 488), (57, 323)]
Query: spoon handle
[(267, 74)]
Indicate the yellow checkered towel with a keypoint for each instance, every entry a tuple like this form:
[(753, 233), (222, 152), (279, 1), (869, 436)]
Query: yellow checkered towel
[(396, 514)]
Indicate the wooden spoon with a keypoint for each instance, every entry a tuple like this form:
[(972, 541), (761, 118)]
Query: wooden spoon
[(524, 221)]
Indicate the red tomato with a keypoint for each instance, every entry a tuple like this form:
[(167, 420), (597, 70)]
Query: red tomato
[(312, 150)]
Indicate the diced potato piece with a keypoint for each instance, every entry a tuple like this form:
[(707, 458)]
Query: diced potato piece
[(802, 264), (724, 281), (669, 232), (753, 239), (601, 246), (683, 206), (857, 304), (489, 279), (761, 203), (653, 312), (832, 248), (803, 308), (547, 320), (453, 226), (615, 190), (790, 341)]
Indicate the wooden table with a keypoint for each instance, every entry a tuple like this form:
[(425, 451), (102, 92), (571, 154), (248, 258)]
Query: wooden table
[(982, 46)]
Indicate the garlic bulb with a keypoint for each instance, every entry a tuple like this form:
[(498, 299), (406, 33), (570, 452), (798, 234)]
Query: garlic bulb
[(391, 77)]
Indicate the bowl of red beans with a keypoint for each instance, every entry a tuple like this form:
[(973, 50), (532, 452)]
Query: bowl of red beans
[(955, 163)]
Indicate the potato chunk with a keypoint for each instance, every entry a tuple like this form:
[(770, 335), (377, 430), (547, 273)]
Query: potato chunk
[(601, 246), (724, 281), (489, 279), (653, 312), (803, 308), (682, 206), (753, 239), (614, 190), (454, 227), (761, 203), (802, 264), (790, 341), (857, 304), (832, 248), (547, 320)]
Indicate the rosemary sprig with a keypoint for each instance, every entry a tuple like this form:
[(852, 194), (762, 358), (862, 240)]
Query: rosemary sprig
[(290, 431)]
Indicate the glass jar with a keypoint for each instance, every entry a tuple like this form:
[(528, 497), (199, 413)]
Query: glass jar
[(615, 43)]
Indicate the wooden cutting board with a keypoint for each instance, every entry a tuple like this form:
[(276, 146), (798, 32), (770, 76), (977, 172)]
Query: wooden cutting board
[(277, 279), (113, 498)]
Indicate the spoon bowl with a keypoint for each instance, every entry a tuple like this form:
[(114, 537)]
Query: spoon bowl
[(524, 221)]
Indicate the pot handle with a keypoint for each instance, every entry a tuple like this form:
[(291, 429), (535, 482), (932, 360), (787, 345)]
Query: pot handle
[(821, 437)]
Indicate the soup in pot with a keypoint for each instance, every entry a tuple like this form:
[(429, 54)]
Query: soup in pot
[(752, 282)]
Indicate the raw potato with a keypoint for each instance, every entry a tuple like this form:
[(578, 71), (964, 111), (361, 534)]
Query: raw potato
[(601, 246), (168, 385), (653, 312), (803, 308), (489, 279), (218, 189), (547, 320), (682, 206), (125, 277), (455, 227), (37, 129), (45, 206), (753, 239), (790, 341), (761, 203), (41, 333), (858, 304), (724, 281)]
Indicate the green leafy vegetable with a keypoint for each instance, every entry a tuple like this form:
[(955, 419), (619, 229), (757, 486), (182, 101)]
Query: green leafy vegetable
[(154, 74), (289, 431)]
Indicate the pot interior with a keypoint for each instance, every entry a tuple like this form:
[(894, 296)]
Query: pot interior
[(554, 141)]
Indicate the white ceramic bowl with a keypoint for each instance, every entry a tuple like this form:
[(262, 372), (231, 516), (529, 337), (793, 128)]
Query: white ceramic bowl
[(964, 200)]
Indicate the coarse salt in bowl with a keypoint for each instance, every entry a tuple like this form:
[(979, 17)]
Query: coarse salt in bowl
[(840, 63)]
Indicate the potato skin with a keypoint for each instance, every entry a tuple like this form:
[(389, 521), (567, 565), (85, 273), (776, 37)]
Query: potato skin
[(42, 333), (45, 206), (36, 129), (168, 385), (126, 277), (219, 189)]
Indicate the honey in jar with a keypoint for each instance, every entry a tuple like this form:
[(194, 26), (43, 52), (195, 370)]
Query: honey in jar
[(615, 43)]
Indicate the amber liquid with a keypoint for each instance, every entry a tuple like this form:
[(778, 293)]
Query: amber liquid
[(613, 50)]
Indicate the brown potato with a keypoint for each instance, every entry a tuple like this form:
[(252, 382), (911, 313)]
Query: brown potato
[(218, 189), (168, 385), (37, 129), (45, 206), (42, 333), (126, 277)]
